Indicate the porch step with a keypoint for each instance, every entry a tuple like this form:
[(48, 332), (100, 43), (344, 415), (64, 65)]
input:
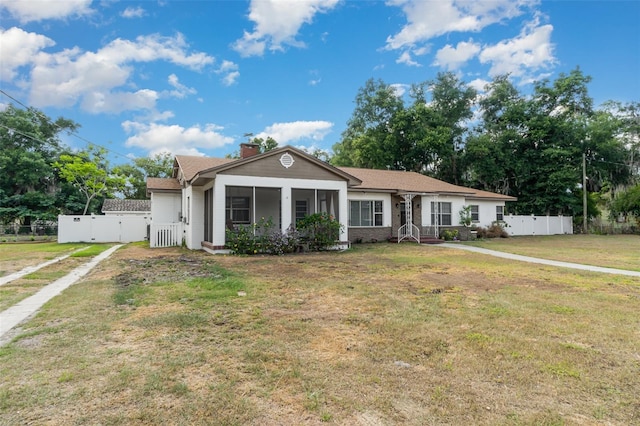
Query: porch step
[(423, 240)]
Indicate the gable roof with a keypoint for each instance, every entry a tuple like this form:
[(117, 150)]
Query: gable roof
[(398, 181), (163, 185), (195, 170), (116, 205), (192, 165)]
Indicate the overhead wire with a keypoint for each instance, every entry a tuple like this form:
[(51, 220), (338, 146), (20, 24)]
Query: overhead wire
[(54, 124)]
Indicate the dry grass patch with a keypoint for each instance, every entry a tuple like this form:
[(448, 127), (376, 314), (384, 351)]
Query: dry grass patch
[(383, 334), (17, 256)]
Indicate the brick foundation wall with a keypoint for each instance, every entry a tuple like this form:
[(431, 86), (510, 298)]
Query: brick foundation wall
[(380, 234)]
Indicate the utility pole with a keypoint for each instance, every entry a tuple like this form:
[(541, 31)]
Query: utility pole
[(584, 193)]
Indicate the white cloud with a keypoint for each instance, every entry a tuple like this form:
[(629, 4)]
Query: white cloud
[(277, 23), (133, 12), (530, 52), (452, 58), (399, 89), (406, 58), (180, 89), (18, 49), (30, 10), (114, 102), (285, 133), (176, 139), (479, 84), (429, 19), (92, 78), (230, 72)]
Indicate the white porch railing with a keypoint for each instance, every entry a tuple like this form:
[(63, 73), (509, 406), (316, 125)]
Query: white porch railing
[(409, 231), (166, 235)]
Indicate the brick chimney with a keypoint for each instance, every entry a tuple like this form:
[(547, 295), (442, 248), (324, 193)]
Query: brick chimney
[(249, 149)]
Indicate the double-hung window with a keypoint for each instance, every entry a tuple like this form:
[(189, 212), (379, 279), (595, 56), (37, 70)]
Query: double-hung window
[(499, 212), (475, 213), (238, 209), (441, 213), (365, 213)]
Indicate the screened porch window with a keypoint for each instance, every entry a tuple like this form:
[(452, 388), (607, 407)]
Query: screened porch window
[(302, 209), (238, 209)]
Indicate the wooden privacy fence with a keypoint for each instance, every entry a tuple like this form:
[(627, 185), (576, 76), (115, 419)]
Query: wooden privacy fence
[(166, 235)]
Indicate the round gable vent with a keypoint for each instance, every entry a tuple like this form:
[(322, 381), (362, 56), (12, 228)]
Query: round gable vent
[(286, 160)]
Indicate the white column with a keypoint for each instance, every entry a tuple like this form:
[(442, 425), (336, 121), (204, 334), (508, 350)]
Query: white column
[(219, 214), (285, 203), (343, 216)]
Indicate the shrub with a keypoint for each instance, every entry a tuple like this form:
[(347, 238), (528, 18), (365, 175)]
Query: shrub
[(262, 238), (494, 231), (450, 234), (319, 230)]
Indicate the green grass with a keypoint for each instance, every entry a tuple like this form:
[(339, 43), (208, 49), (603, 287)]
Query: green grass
[(381, 334), (612, 251), (91, 251)]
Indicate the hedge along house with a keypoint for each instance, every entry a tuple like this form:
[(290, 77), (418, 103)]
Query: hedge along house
[(207, 196)]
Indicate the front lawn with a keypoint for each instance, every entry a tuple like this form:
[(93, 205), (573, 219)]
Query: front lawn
[(384, 334), (612, 251)]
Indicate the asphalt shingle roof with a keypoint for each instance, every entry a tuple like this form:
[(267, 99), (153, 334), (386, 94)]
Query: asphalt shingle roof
[(166, 184), (116, 205), (374, 180), (192, 165), (402, 181)]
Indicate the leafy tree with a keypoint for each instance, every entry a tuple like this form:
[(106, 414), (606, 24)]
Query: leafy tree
[(29, 144), (425, 137), (369, 141), (451, 104), (627, 202), (159, 165), (532, 148), (628, 116), (264, 145), (89, 172)]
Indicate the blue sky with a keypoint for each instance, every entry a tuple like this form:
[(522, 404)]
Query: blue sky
[(193, 77)]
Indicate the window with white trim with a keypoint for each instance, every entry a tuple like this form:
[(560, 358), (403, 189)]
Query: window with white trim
[(365, 213), (475, 213), (442, 211), (238, 209), (499, 212)]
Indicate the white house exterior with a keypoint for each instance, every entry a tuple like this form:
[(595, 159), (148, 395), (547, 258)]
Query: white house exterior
[(206, 196)]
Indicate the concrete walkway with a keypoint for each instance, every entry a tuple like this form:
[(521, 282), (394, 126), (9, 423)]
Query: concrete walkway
[(541, 261), (29, 269), (27, 307)]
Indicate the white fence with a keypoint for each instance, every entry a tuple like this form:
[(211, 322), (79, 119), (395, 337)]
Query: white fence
[(102, 229), (538, 225), (166, 235)]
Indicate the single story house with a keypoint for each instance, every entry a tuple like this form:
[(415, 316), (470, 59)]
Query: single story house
[(206, 196)]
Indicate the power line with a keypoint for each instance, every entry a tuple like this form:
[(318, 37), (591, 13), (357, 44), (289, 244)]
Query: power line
[(48, 120)]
